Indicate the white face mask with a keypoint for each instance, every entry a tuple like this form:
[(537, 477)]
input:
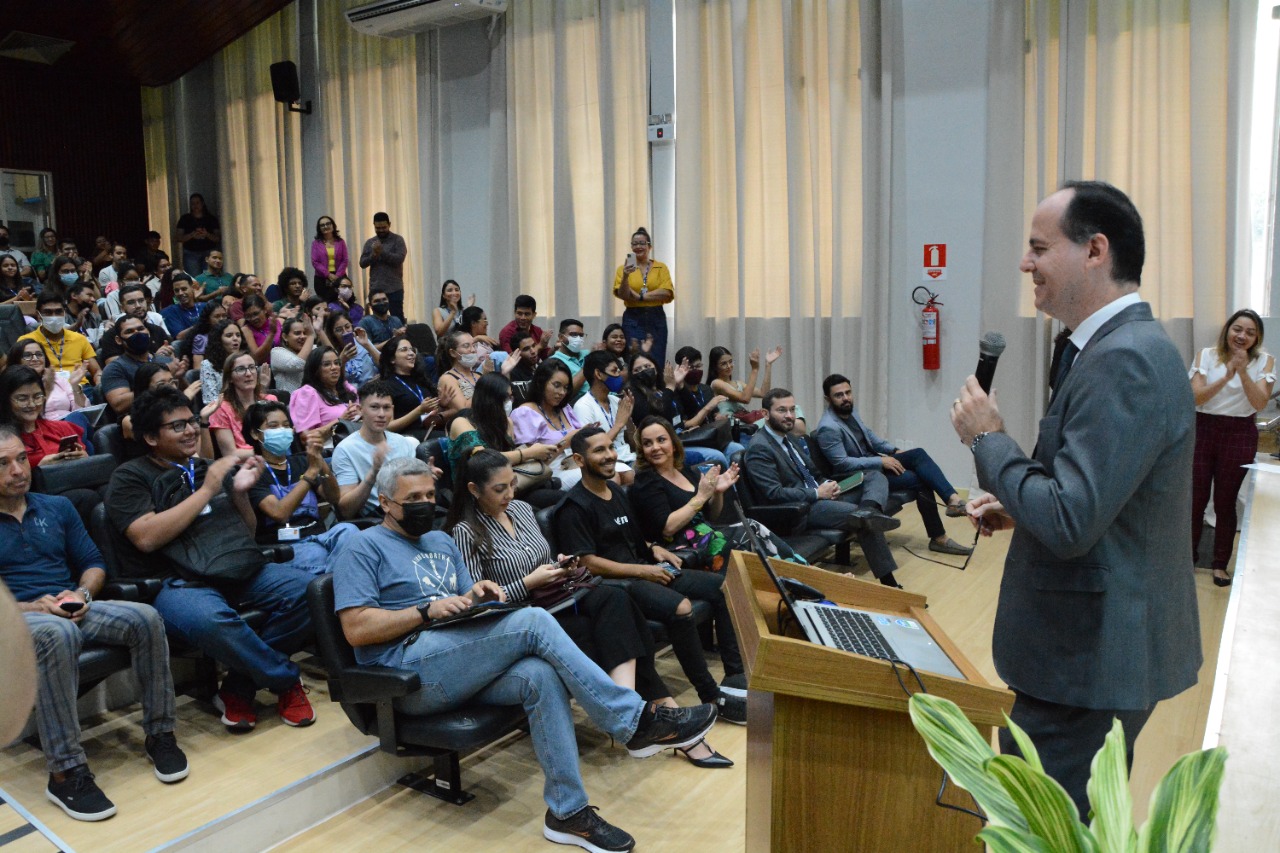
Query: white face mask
[(469, 359), (575, 343), (53, 325), (506, 407)]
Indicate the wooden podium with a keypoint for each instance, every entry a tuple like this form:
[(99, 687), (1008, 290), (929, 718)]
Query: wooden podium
[(833, 762)]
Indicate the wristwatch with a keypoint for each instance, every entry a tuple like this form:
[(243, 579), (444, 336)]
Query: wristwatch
[(422, 611), (973, 445), (88, 596)]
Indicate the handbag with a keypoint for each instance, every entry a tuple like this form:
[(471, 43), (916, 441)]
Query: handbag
[(557, 596), (209, 550), (531, 474), (716, 435)]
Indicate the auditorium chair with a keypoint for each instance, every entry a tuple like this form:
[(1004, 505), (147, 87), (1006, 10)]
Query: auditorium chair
[(897, 499), (787, 520), (367, 694)]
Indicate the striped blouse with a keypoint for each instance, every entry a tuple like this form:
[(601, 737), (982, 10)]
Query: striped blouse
[(507, 560)]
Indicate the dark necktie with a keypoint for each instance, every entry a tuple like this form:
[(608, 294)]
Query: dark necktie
[(804, 469), (1069, 353)]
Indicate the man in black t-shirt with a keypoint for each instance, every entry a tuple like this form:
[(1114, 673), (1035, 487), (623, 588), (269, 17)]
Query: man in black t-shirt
[(133, 302), (160, 507), (597, 524)]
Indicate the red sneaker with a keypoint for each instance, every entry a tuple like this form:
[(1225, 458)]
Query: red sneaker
[(238, 714), (294, 708)]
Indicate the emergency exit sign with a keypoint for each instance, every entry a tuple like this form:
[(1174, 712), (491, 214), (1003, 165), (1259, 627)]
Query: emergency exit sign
[(935, 261)]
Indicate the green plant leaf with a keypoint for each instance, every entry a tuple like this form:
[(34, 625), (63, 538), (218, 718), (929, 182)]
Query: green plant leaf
[(1184, 806), (1025, 746), (1006, 839), (958, 747), (1044, 803), (1109, 795)]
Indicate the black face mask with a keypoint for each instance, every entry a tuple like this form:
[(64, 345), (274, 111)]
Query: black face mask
[(138, 343), (4, 242), (647, 378), (381, 307), (418, 517), (693, 377)]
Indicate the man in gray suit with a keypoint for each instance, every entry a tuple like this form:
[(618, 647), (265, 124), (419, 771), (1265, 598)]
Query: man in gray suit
[(779, 471), (1097, 614)]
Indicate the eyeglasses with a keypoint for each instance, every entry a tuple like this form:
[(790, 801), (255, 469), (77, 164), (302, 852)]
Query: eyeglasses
[(34, 355), (179, 427), (28, 399), (244, 369)]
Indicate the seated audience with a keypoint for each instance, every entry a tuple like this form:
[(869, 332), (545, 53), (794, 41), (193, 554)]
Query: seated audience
[(359, 355), (458, 365), (344, 300), (596, 523), (171, 504), (379, 323), (63, 391), (62, 277), (614, 340), (64, 350), (447, 316), (212, 314), (607, 404), (243, 286), (292, 286), (549, 419), (526, 309), (653, 397), (850, 446), (524, 358), (413, 394), (392, 579), (500, 541), (316, 311), (779, 466), (133, 301), (82, 311), (476, 324), (153, 376), (22, 409), (113, 273), (738, 395), (42, 258), (184, 312), (215, 282), (571, 348), (324, 397), (358, 457), (289, 360), (14, 286), (54, 577), (225, 339), (260, 330), (241, 389), (131, 337), (699, 406)]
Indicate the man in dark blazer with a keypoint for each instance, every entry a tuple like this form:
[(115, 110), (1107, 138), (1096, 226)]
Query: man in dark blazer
[(779, 470), (1097, 615)]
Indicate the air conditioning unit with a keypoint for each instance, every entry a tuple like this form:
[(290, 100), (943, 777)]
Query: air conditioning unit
[(395, 18)]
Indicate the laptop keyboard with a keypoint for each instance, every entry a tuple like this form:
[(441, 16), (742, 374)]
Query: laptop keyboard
[(853, 632)]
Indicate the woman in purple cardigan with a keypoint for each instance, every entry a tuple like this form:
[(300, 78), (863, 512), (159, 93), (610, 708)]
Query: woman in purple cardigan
[(328, 257)]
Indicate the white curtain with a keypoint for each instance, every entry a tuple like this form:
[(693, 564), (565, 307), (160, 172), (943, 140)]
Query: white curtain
[(578, 161), (769, 191), (260, 153), (369, 106), (164, 201)]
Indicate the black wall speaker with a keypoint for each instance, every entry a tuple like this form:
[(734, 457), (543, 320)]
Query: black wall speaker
[(284, 82)]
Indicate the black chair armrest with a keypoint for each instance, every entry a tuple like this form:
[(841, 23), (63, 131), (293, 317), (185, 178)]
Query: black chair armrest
[(781, 518), (143, 590), (367, 684), (278, 553)]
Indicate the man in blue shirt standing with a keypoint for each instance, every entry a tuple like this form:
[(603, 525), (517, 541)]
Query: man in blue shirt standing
[(54, 570)]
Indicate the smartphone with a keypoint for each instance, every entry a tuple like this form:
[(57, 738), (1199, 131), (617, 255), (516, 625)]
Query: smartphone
[(631, 259), (349, 339), (669, 569), (68, 444), (70, 605), (567, 561)]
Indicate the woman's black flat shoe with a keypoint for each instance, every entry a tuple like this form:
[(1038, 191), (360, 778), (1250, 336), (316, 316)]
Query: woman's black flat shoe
[(1217, 581), (713, 761)]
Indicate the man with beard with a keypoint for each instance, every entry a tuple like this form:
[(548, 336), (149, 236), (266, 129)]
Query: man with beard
[(780, 472), (850, 446)]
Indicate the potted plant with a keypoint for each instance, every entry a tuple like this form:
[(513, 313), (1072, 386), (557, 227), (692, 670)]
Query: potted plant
[(1028, 811)]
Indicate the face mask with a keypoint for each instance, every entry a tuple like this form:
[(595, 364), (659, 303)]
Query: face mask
[(647, 377), (613, 383), (469, 359), (277, 441), (418, 517), (693, 377), (138, 343), (4, 242), (506, 407), (344, 292), (68, 278), (53, 325), (381, 307), (575, 343)]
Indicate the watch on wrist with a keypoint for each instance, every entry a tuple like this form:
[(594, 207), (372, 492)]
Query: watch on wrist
[(88, 596), (973, 445), (422, 611)]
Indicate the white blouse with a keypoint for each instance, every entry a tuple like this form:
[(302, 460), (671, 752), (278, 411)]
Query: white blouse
[(1231, 400)]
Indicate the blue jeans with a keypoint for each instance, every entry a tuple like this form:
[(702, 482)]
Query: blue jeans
[(311, 555), (923, 476), (639, 323), (206, 617), (523, 658)]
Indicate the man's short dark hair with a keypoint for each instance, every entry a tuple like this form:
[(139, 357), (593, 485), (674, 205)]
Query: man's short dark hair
[(773, 395), (152, 409), (580, 438), (48, 297), (153, 235), (1099, 208), (381, 216), (132, 288), (125, 318), (79, 287), (569, 321), (9, 432), (832, 381), (597, 360), (524, 300), (691, 354), (518, 339), (375, 388)]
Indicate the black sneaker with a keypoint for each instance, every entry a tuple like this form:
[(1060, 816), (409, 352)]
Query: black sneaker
[(587, 830), (79, 796), (670, 728), (170, 761), (732, 708)]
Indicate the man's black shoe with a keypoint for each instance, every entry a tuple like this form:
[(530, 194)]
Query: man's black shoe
[(587, 830), (670, 728), (170, 761), (875, 520), (79, 796)]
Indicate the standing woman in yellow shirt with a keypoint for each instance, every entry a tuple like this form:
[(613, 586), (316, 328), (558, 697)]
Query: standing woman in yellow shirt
[(644, 286)]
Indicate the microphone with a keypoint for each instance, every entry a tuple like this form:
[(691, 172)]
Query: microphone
[(989, 349)]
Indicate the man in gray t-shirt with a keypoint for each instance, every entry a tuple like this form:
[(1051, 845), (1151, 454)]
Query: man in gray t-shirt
[(358, 457), (383, 256)]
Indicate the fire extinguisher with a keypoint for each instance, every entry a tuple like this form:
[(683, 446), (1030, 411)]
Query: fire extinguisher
[(930, 328)]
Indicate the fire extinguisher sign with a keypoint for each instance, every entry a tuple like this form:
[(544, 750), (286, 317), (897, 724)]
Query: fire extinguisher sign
[(935, 261)]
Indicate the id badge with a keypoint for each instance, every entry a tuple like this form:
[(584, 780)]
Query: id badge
[(288, 534), (208, 508), (64, 375)]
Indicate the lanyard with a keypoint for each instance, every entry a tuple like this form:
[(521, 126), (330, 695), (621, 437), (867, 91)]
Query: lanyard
[(288, 483), (605, 410), (188, 473), (62, 345), (563, 429), (412, 389)]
